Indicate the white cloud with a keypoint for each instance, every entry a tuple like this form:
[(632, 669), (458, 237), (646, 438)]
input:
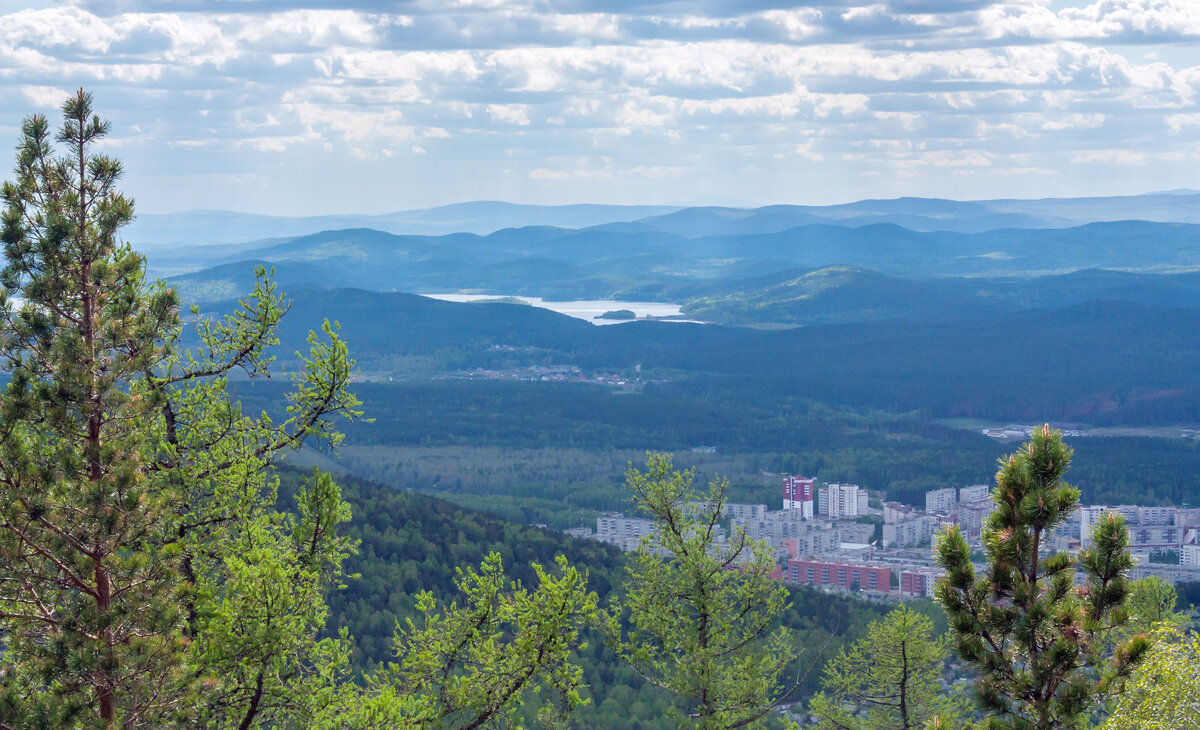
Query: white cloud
[(517, 114), (44, 97), (666, 93)]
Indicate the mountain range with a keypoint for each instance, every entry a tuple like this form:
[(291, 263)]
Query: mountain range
[(805, 275), (1092, 321), (206, 227)]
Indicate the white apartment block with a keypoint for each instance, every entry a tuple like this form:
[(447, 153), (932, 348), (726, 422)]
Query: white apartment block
[(789, 526), (744, 511), (1156, 516), (732, 510), (909, 533), (1187, 516), (940, 500), (971, 516), (1173, 574), (856, 532), (611, 526), (1149, 537), (974, 493), (1189, 555), (845, 500)]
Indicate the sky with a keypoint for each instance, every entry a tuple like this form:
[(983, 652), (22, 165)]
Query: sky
[(347, 106)]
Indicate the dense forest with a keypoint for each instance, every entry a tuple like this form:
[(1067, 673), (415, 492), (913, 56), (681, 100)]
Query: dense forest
[(1101, 363), (555, 444)]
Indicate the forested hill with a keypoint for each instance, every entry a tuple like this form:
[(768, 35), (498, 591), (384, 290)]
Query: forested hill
[(663, 265), (846, 294), (1099, 362)]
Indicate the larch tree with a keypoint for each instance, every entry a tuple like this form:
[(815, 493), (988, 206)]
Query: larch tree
[(700, 617), (461, 667), (888, 680), (1163, 693), (1039, 643)]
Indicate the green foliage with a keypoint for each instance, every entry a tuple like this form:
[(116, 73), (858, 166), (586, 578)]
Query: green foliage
[(463, 666), (411, 542), (1163, 693), (1189, 594), (149, 580), (888, 680), (1152, 603), (534, 439), (262, 602), (1036, 641), (699, 614)]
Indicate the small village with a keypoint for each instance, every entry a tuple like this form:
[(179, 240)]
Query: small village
[(551, 374), (831, 536)]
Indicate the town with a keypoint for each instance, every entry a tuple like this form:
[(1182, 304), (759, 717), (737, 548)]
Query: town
[(838, 537)]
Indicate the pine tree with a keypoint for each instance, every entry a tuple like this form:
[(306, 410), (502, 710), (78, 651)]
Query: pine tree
[(892, 675), (697, 616), (136, 503), (1037, 641)]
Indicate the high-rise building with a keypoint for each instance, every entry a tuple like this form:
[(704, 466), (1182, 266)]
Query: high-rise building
[(1156, 516), (972, 515), (940, 500), (740, 510), (916, 530), (846, 500), (894, 512), (974, 493), (798, 493)]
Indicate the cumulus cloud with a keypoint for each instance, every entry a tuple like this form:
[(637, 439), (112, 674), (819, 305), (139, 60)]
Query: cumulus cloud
[(616, 99)]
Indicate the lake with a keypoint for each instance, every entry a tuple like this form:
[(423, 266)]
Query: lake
[(583, 309)]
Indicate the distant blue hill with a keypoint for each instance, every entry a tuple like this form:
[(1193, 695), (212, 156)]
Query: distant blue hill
[(482, 217), (811, 274), (485, 217)]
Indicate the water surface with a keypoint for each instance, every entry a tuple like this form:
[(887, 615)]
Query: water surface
[(587, 309)]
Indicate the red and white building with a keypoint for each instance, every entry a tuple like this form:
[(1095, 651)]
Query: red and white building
[(799, 493)]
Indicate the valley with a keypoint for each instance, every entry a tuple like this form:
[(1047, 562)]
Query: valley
[(899, 349)]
